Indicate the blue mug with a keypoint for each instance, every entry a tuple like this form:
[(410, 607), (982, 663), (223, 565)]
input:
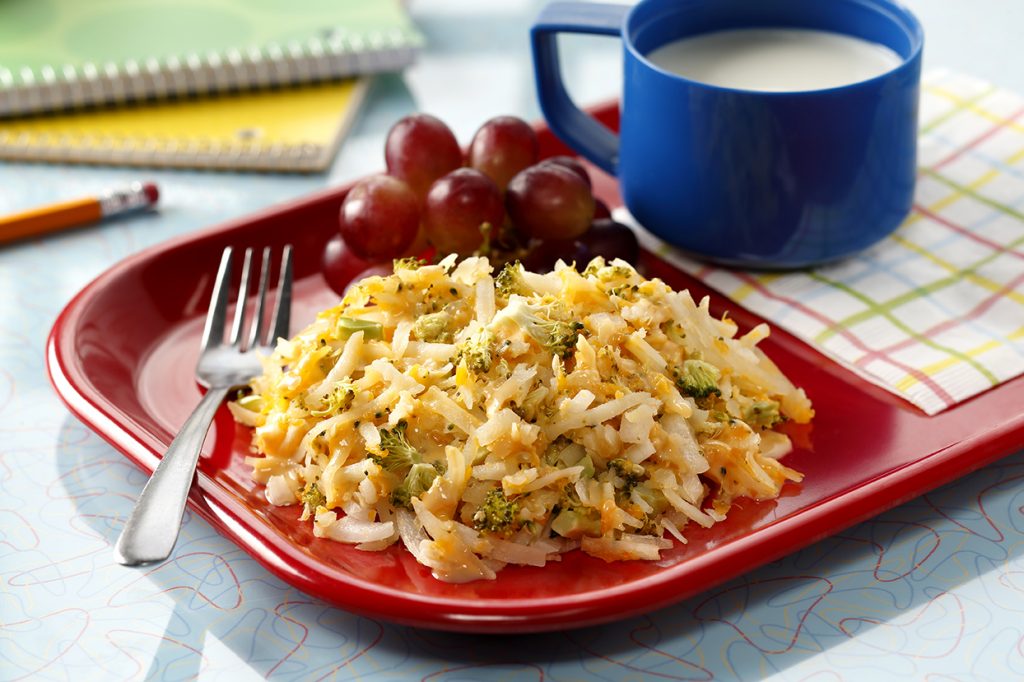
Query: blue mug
[(742, 177)]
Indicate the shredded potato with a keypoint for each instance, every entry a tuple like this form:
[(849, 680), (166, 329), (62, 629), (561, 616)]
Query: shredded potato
[(484, 418)]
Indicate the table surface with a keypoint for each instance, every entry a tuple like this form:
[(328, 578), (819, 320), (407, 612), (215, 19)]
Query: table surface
[(933, 588)]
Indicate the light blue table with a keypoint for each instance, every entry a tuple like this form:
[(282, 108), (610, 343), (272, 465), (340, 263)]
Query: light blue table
[(933, 589)]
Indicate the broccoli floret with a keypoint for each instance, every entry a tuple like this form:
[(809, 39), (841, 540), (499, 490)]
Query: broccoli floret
[(418, 481), (699, 379), (347, 326), (620, 271), (510, 280), (630, 472), (312, 496), (764, 413), (593, 267), (605, 271), (336, 401), (399, 455), (433, 327), (497, 514), (477, 351), (556, 336), (408, 263)]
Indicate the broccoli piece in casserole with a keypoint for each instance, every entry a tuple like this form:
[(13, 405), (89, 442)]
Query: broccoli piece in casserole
[(699, 379), (337, 400), (408, 263), (312, 496), (347, 326), (497, 514), (433, 327), (557, 336), (418, 481), (477, 351), (630, 472), (400, 455), (510, 281), (764, 413)]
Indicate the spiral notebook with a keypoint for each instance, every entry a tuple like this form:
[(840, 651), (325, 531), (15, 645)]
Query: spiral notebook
[(63, 54), (294, 129)]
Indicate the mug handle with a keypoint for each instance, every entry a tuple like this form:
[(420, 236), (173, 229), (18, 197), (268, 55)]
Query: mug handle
[(578, 130)]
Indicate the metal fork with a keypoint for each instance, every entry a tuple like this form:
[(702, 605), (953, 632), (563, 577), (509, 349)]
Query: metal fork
[(152, 529)]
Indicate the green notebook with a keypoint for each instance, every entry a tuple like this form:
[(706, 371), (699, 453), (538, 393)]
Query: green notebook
[(59, 54)]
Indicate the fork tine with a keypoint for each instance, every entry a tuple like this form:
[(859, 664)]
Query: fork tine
[(283, 305), (256, 332), (213, 330), (243, 294)]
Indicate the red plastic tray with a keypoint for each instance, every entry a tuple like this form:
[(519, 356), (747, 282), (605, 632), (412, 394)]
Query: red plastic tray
[(866, 451)]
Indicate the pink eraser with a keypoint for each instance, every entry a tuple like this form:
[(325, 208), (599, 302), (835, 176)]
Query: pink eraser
[(152, 193)]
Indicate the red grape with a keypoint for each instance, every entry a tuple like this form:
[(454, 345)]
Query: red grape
[(542, 255), (419, 149), (456, 207), (340, 265), (608, 239), (605, 238), (549, 201), (502, 147), (379, 218), (601, 210), (572, 164), (419, 244)]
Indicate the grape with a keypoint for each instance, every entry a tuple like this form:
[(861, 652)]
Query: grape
[(572, 164), (420, 244), (379, 218), (340, 265), (601, 210), (419, 149), (549, 201), (457, 205), (542, 255), (502, 147), (608, 239), (605, 238)]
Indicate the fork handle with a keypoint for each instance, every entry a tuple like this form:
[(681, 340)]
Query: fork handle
[(152, 529)]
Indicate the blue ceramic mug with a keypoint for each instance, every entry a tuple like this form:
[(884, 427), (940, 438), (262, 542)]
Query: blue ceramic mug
[(744, 177)]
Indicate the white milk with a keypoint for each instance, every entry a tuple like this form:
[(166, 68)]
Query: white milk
[(775, 59)]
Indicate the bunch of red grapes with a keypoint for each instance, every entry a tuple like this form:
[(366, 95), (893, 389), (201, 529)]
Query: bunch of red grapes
[(498, 200)]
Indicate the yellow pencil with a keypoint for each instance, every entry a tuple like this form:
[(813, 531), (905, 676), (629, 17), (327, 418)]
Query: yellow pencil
[(46, 219)]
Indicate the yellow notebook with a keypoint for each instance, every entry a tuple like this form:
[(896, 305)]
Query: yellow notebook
[(295, 129)]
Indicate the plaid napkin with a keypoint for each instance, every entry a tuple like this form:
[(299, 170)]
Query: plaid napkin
[(935, 312)]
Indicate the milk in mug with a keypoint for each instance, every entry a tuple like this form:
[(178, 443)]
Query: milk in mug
[(775, 59)]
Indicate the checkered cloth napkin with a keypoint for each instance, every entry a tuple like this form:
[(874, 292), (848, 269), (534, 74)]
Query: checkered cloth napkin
[(935, 312)]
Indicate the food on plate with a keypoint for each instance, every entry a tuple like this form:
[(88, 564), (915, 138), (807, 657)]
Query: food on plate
[(483, 417)]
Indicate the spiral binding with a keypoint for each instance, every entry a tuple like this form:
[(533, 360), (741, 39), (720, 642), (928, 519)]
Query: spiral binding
[(28, 91)]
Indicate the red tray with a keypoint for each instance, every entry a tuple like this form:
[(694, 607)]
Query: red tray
[(866, 451)]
